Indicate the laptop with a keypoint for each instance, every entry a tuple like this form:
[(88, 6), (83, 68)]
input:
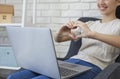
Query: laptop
[(34, 50)]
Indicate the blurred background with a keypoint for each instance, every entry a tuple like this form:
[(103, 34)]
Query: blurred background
[(49, 13)]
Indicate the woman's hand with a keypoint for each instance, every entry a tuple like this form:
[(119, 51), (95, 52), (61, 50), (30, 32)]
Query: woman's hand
[(85, 31), (66, 30)]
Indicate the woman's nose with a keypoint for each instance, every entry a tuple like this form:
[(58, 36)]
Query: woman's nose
[(101, 1)]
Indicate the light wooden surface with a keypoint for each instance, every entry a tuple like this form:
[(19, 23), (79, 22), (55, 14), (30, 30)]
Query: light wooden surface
[(4, 73)]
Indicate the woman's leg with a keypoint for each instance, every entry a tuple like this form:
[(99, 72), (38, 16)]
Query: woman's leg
[(41, 77), (87, 75), (22, 74), (26, 74)]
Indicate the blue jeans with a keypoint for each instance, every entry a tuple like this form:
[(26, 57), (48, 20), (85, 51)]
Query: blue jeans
[(26, 74)]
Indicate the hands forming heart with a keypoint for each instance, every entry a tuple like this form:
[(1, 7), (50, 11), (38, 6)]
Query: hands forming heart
[(75, 30)]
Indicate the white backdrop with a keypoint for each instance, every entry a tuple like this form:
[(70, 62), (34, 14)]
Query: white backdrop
[(52, 14)]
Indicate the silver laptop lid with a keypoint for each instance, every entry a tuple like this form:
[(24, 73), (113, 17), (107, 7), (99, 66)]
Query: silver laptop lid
[(31, 52)]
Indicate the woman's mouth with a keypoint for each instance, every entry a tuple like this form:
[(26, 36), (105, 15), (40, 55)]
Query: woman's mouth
[(103, 8)]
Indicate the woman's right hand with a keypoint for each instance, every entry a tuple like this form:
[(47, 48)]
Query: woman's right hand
[(65, 33), (66, 30)]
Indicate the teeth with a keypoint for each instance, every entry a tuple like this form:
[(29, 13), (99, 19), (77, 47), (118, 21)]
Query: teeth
[(103, 8)]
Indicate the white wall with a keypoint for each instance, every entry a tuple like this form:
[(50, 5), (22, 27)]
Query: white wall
[(52, 14)]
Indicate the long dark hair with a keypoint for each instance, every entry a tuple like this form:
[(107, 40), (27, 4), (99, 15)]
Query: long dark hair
[(118, 12)]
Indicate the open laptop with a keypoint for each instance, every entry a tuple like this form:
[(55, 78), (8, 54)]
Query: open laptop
[(34, 50)]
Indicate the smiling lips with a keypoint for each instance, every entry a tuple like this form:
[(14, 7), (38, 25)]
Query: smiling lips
[(102, 8)]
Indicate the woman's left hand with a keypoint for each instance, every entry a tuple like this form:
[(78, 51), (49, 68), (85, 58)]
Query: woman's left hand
[(85, 31)]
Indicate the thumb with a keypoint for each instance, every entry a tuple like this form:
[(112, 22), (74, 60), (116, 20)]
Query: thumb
[(82, 35), (72, 36)]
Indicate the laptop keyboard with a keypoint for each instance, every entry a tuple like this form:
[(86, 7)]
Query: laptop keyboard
[(66, 72), (69, 65)]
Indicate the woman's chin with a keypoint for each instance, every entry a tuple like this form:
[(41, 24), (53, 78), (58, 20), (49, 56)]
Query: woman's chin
[(103, 13)]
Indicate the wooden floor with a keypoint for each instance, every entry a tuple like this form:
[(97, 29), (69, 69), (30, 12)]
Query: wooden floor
[(5, 73)]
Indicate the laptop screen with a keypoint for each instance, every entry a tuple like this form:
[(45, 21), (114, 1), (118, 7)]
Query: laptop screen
[(34, 50)]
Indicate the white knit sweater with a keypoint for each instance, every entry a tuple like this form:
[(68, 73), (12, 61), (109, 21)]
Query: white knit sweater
[(97, 52)]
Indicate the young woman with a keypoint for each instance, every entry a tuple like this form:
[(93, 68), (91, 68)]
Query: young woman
[(100, 42)]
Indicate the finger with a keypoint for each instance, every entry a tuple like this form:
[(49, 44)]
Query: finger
[(71, 36), (68, 23), (71, 24), (80, 23), (66, 26), (77, 24), (79, 36)]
